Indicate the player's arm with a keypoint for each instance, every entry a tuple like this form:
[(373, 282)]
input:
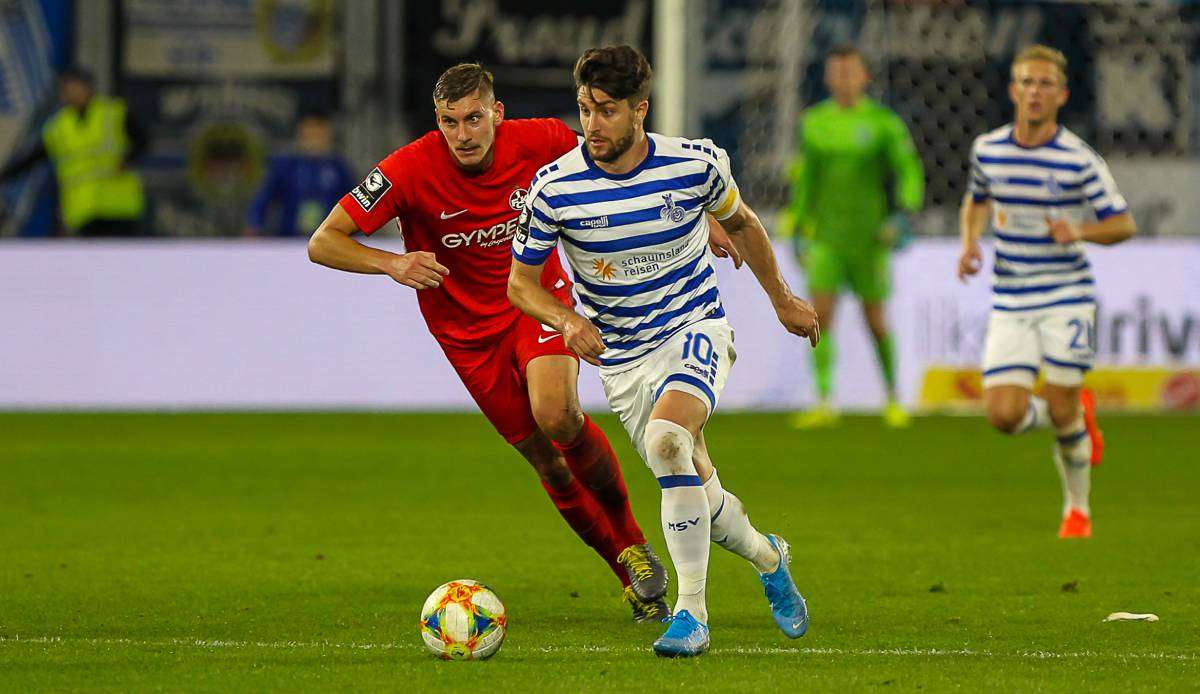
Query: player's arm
[(750, 237), (536, 239), (720, 243), (1106, 232), (1113, 224), (332, 246), (905, 163), (973, 219), (525, 291)]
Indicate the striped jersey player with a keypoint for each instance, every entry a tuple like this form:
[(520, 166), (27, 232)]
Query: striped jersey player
[(456, 194), (1044, 193), (638, 288), (629, 208)]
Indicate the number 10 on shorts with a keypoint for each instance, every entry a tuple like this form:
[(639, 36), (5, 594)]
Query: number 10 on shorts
[(698, 347)]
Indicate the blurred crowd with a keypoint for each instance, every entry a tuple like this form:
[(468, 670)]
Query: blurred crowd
[(93, 143)]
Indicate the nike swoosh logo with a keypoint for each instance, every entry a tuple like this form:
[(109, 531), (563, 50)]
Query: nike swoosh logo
[(542, 339), (448, 216)]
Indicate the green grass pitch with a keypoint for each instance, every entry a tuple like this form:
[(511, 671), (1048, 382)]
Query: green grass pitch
[(284, 552)]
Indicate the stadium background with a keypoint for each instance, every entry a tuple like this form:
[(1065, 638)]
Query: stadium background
[(195, 317)]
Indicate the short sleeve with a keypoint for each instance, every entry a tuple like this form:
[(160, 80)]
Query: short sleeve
[(537, 228), (977, 182), (378, 198), (722, 199), (1101, 190)]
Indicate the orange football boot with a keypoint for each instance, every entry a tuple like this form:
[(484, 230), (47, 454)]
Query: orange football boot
[(1088, 399), (1076, 524)]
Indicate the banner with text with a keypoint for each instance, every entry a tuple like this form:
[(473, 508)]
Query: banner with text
[(254, 324)]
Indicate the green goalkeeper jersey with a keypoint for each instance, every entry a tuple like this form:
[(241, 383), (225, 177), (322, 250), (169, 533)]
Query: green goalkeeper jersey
[(839, 179)]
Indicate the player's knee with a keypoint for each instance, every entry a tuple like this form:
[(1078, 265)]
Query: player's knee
[(1063, 411), (561, 423), (1005, 418), (669, 450)]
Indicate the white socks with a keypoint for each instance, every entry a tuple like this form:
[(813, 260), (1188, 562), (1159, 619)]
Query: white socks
[(1037, 415), (685, 512), (1073, 458), (731, 528), (1072, 455)]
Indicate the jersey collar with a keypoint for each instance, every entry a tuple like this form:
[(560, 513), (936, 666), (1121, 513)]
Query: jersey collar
[(629, 174)]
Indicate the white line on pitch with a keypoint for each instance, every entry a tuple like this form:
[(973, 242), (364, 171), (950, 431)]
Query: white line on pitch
[(737, 650)]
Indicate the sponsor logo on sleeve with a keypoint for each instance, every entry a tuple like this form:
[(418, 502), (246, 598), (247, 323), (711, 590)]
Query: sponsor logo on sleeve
[(523, 226), (371, 190)]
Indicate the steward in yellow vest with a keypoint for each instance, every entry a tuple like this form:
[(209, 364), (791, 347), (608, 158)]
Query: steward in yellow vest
[(90, 141)]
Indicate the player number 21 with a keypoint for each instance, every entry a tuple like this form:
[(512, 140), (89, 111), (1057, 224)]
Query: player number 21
[(699, 346), (1083, 329)]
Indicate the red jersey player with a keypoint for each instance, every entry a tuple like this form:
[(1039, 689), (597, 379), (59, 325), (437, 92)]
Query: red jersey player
[(457, 194)]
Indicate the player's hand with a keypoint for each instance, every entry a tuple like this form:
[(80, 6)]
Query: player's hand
[(583, 338), (970, 262), (1064, 231), (419, 270), (721, 245), (800, 318)]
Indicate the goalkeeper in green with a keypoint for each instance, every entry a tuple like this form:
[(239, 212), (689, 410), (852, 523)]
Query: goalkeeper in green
[(850, 146)]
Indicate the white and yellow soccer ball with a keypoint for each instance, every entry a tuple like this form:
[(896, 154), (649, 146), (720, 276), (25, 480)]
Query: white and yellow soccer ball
[(463, 620)]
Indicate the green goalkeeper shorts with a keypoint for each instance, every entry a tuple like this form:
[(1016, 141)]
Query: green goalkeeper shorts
[(867, 272)]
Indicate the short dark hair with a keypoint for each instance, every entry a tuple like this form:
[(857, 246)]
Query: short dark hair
[(848, 50), (76, 73), (315, 115), (462, 80), (622, 72), (845, 51)]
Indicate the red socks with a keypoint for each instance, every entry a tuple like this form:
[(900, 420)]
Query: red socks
[(593, 462), (585, 517)]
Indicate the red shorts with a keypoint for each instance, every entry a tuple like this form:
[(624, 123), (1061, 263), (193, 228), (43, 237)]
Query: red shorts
[(494, 373)]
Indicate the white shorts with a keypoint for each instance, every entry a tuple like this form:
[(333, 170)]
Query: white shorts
[(1061, 341), (695, 360)]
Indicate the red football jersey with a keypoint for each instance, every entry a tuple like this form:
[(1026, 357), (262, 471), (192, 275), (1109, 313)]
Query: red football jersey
[(467, 219)]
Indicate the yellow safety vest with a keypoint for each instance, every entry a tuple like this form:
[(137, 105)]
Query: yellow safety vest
[(87, 153)]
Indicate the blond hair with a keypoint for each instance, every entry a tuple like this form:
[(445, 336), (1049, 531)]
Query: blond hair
[(1042, 52)]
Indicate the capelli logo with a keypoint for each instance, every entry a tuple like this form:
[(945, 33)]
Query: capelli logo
[(597, 223)]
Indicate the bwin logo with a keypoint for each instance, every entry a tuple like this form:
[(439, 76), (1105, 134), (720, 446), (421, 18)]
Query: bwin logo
[(670, 210), (683, 524)]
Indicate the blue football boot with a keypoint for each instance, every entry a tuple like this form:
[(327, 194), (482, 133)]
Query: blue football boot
[(684, 638), (787, 604)]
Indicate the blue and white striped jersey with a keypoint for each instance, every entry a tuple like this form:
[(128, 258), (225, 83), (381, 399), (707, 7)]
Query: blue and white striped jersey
[(637, 242), (1063, 178)]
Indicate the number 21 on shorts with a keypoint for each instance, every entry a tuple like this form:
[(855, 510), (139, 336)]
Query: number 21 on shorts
[(1083, 334)]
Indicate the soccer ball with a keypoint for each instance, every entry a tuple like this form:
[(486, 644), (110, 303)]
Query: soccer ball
[(463, 620)]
